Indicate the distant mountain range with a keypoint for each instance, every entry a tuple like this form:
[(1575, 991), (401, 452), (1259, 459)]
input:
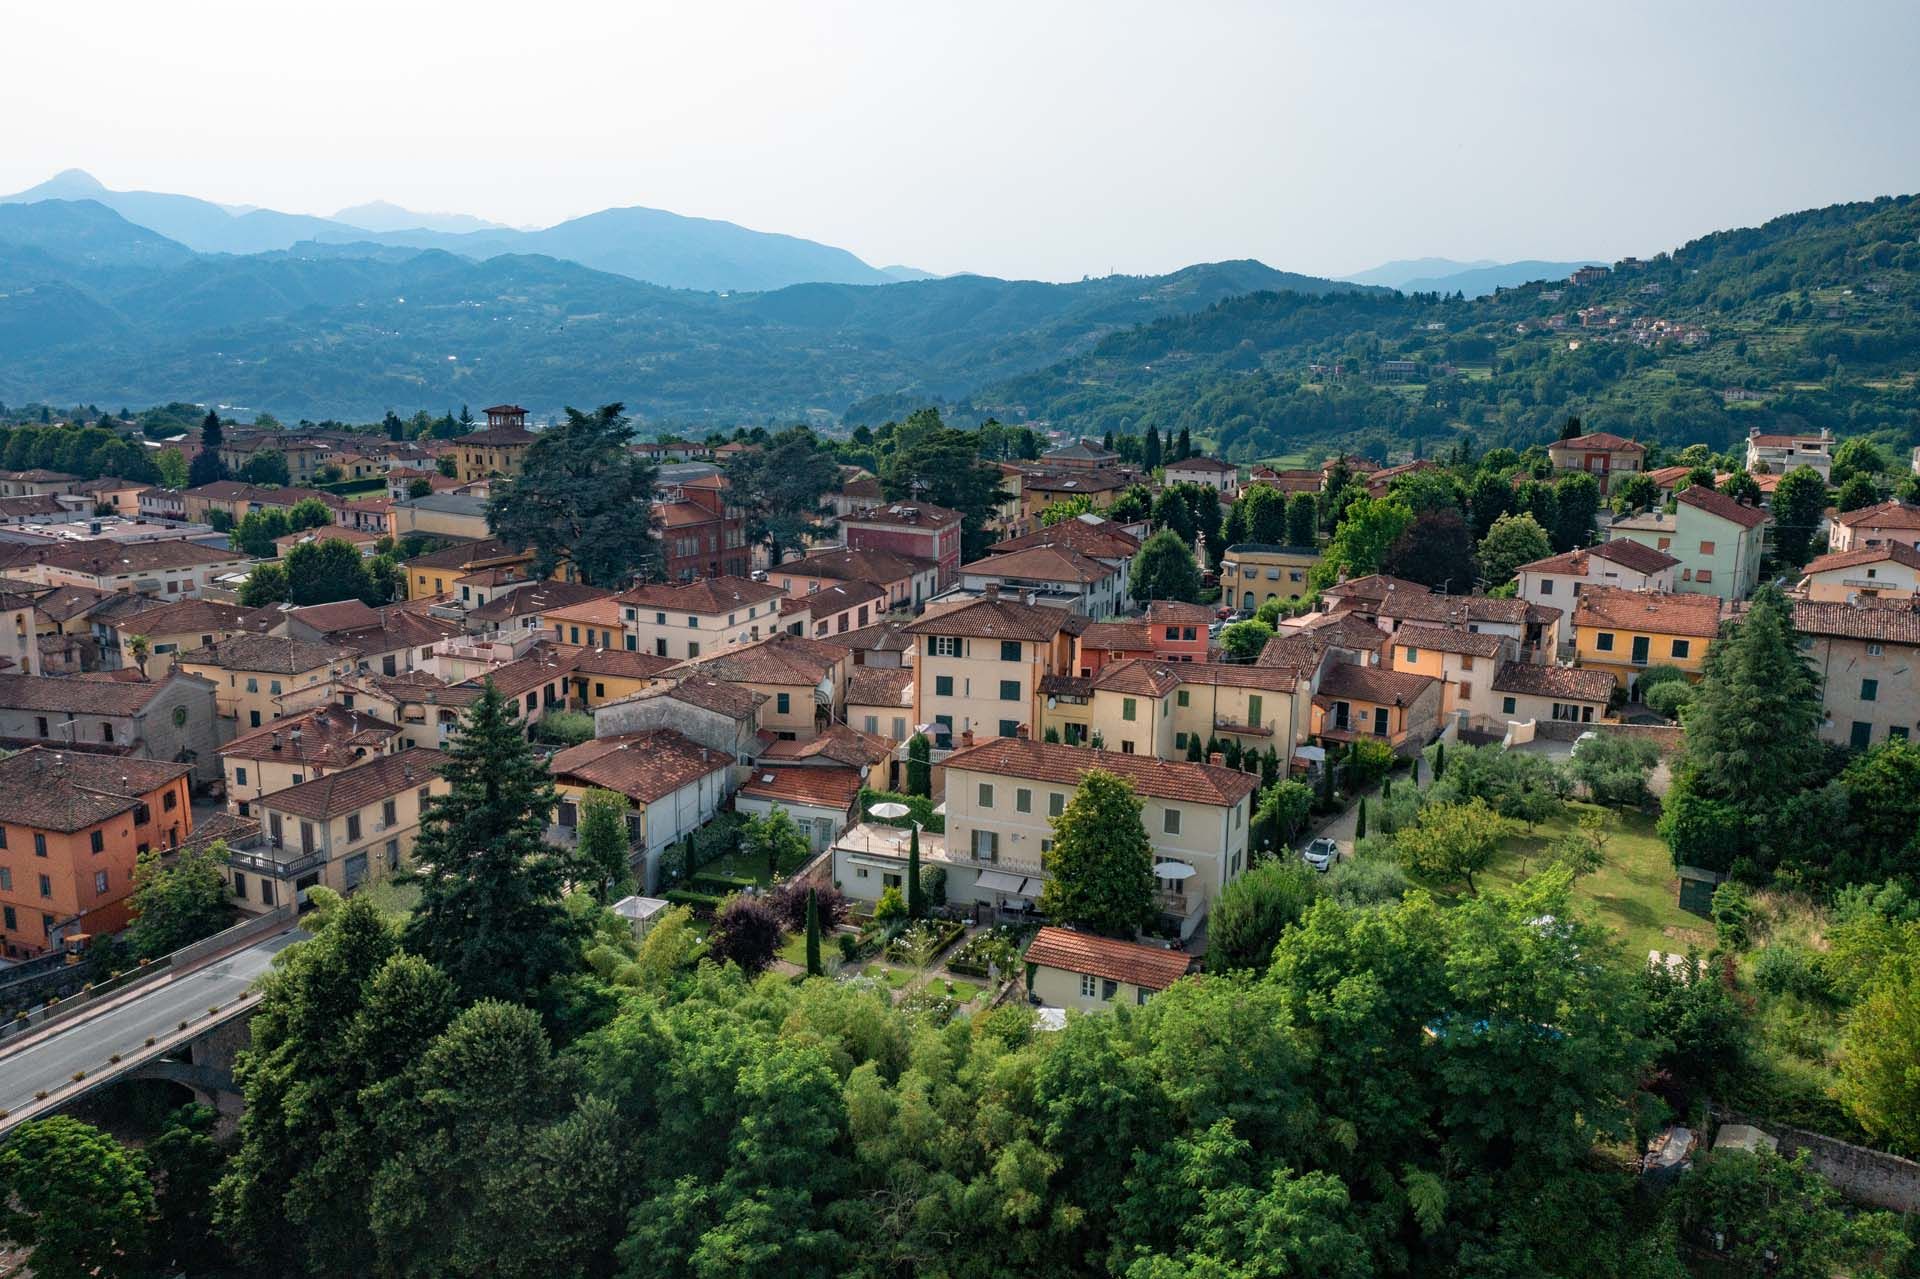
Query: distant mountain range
[(1474, 279), (94, 308), (658, 247)]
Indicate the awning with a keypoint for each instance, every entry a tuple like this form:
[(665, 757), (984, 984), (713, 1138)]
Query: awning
[(1032, 887), (998, 881), (873, 861)]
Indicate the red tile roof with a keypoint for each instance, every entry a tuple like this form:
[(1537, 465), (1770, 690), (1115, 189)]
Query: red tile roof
[(184, 617), (841, 743), (1180, 782), (329, 736), (1668, 614), (706, 596), (845, 563), (1893, 622), (1376, 684), (1881, 515), (1897, 552), (905, 515), (1001, 619), (1117, 637), (1717, 503), (818, 787), (1448, 639), (1600, 440), (1041, 564), (352, 789), (66, 791), (880, 686), (1148, 967), (777, 659), (538, 598), (1540, 680), (644, 767)]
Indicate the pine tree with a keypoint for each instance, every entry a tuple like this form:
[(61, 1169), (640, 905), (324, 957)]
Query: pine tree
[(814, 968), (916, 896), (490, 914)]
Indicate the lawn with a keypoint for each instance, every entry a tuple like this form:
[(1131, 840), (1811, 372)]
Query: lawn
[(739, 865), (1635, 894)]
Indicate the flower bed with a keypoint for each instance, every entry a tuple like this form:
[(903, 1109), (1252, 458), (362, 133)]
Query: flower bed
[(1000, 945), (903, 947)]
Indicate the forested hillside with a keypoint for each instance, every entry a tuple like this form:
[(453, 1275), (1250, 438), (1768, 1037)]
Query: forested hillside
[(1809, 320)]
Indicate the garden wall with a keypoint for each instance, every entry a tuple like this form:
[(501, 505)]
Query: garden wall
[(1866, 1176)]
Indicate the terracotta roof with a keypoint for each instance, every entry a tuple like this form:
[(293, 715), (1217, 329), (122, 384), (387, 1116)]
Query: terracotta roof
[(619, 663), (1374, 587), (642, 766), (67, 695), (38, 474), (1065, 686), (107, 559), (861, 486), (1540, 680), (1623, 551), (1447, 639), (880, 686), (1456, 610), (420, 687), (1001, 619), (398, 628), (1881, 515), (1717, 503), (1782, 441), (1667, 476), (538, 598), (1042, 564), (1202, 464), (1668, 614), (706, 596), (1071, 482), (1170, 612), (835, 599), (341, 615), (1151, 677), (1897, 552), (604, 611), (819, 787), (542, 664), (352, 789), (1148, 967), (1894, 622), (465, 555), (1599, 440), (24, 507), (905, 515), (844, 563), (885, 636), (1178, 782), (184, 617), (777, 659), (497, 436), (64, 602), (1119, 637), (330, 736), (1082, 448), (707, 693), (840, 743), (69, 791), (1375, 684)]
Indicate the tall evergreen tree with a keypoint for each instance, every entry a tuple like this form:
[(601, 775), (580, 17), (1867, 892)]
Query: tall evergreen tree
[(1102, 862), (814, 968), (207, 467), (1798, 501), (1152, 455), (1184, 449), (1303, 520), (490, 914), (581, 498), (916, 894)]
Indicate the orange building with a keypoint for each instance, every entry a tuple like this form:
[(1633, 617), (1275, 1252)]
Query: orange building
[(72, 825)]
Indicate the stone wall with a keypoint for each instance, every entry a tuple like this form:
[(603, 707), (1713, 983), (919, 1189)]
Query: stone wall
[(1865, 1176)]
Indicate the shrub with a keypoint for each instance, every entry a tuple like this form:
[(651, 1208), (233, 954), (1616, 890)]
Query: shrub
[(789, 902), (1733, 913), (1363, 880), (849, 947), (922, 813), (1654, 676), (998, 946), (1668, 699), (1614, 768), (1787, 969), (701, 903), (564, 728), (891, 906), (1255, 909), (745, 932), (1367, 762)]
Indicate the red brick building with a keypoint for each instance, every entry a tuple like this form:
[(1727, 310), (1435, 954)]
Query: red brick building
[(918, 529), (701, 533)]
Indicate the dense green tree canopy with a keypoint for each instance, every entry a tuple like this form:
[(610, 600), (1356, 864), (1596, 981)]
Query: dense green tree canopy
[(581, 498)]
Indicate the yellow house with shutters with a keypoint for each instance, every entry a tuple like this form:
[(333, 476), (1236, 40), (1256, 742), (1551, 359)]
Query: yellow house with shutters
[(1625, 632)]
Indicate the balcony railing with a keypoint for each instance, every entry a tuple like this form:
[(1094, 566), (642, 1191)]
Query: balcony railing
[(266, 858)]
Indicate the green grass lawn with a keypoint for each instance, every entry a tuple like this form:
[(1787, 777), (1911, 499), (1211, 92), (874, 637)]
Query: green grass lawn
[(739, 865), (1635, 894)]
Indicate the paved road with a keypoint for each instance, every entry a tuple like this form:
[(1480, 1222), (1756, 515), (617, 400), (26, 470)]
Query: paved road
[(1341, 825), (50, 1063)]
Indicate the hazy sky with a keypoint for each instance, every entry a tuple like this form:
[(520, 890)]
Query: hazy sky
[(1021, 139)]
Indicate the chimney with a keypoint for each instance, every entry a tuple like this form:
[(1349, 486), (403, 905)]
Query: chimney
[(966, 737), (276, 739), (1216, 759), (296, 735), (993, 590), (1022, 732)]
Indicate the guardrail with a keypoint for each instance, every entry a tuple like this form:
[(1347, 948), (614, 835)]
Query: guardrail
[(186, 958)]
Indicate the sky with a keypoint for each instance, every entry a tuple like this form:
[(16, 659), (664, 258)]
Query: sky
[(1045, 139)]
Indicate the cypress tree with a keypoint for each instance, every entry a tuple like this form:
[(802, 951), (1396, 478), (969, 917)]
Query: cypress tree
[(1184, 449), (1360, 821), (1439, 760), (1152, 454), (916, 898), (814, 968), (490, 914), (1193, 748), (1386, 786)]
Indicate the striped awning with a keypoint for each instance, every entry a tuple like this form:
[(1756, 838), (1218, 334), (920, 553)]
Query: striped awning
[(999, 881)]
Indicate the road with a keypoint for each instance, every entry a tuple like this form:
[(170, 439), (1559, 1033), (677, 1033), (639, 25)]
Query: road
[(49, 1063), (1340, 826)]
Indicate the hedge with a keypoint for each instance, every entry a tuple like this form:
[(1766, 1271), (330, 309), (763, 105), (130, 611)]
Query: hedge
[(921, 810)]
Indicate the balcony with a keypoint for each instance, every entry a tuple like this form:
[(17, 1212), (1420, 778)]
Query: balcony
[(265, 856)]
